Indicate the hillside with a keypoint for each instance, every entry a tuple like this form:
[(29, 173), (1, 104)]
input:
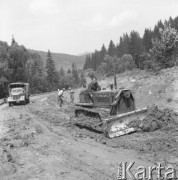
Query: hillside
[(149, 88), (41, 140), (63, 60)]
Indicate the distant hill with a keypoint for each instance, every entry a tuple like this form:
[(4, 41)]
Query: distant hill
[(63, 60), (85, 53)]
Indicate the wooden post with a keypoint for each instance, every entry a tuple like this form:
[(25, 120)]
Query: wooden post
[(115, 80)]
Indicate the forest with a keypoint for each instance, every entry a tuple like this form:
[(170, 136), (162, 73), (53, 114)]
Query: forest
[(17, 64), (157, 49)]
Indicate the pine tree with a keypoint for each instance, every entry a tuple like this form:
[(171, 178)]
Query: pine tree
[(111, 49), (62, 72), (88, 62), (82, 78), (136, 46), (75, 73), (18, 57), (124, 46), (4, 59), (68, 71), (176, 23), (171, 22), (37, 64), (92, 62), (147, 40), (120, 47), (103, 52), (158, 26), (50, 69), (13, 41), (96, 60)]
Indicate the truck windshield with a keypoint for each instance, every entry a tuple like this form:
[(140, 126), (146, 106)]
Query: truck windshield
[(17, 90)]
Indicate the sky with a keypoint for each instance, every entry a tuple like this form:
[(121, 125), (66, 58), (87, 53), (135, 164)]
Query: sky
[(78, 26)]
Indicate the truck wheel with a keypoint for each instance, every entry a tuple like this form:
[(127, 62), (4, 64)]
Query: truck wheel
[(10, 104), (28, 101), (24, 102)]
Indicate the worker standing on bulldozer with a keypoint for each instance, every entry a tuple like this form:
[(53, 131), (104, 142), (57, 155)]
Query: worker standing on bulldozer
[(111, 86), (94, 85)]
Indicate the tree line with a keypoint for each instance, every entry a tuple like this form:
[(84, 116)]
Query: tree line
[(17, 64), (157, 49)]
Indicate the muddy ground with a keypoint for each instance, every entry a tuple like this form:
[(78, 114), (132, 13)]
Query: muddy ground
[(37, 142), (40, 141)]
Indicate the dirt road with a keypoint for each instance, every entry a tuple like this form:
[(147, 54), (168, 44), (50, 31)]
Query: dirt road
[(39, 140), (37, 143)]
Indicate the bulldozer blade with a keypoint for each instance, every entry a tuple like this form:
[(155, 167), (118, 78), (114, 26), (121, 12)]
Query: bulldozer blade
[(118, 125)]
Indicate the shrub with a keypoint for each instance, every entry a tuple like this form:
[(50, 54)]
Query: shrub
[(126, 62), (91, 74), (169, 99)]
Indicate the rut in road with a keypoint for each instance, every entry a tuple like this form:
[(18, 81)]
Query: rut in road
[(40, 149)]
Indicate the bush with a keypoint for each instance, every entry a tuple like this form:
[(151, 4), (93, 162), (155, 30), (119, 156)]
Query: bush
[(169, 99), (126, 62), (91, 74), (66, 82), (164, 47)]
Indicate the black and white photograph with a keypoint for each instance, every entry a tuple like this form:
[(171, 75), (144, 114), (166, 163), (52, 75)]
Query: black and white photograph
[(88, 89)]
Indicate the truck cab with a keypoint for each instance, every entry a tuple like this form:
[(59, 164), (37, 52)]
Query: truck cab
[(18, 93)]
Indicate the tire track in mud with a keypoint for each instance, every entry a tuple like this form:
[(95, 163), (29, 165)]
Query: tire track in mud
[(42, 147), (153, 146), (56, 121), (71, 162), (3, 129), (68, 168), (176, 94)]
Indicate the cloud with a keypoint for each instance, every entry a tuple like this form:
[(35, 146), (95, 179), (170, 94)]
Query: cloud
[(100, 22), (38, 7), (122, 18), (98, 19), (97, 22)]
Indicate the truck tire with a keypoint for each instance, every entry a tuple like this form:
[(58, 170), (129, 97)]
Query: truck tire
[(24, 102), (28, 100), (10, 104)]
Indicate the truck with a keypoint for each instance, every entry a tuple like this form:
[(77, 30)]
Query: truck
[(19, 93)]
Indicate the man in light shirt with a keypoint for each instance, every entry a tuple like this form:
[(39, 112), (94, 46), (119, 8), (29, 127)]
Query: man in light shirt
[(71, 95), (60, 96)]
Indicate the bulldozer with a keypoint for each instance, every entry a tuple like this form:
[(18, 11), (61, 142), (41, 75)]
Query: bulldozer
[(108, 111)]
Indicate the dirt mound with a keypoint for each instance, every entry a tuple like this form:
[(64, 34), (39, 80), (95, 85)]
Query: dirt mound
[(158, 119), (155, 119)]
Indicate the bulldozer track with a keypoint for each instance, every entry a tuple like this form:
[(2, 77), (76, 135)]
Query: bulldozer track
[(90, 119), (86, 112), (99, 113)]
